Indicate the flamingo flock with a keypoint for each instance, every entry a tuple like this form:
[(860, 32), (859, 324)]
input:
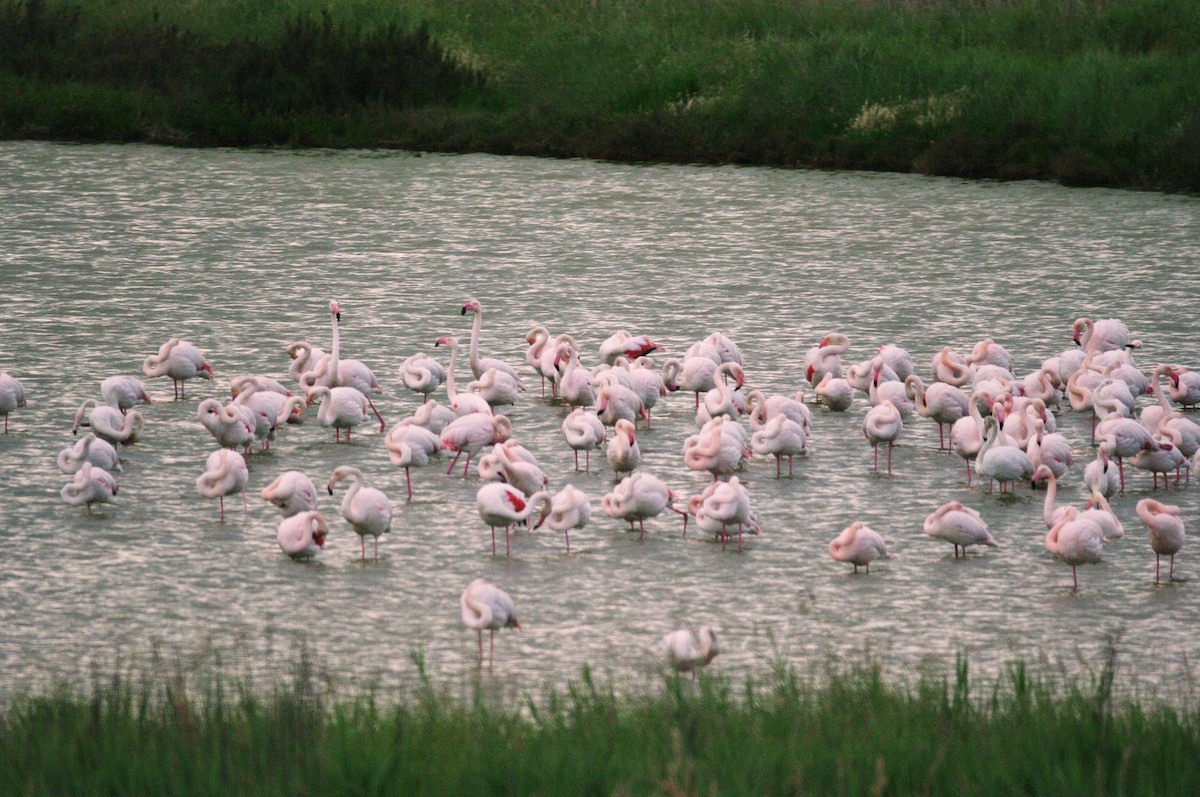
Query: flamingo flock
[(1001, 424)]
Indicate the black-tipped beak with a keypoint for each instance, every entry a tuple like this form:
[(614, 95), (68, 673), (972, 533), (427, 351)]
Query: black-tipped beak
[(464, 311), (330, 489), (338, 316)]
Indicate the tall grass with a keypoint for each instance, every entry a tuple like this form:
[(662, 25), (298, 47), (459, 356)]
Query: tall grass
[(1084, 91), (842, 731)]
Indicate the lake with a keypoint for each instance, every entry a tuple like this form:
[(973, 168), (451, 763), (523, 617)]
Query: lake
[(108, 251)]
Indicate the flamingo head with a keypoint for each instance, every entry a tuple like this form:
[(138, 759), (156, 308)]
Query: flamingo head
[(206, 372), (335, 311), (1133, 344), (1077, 331), (472, 306)]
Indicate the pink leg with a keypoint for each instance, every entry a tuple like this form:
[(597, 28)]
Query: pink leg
[(453, 462), (1171, 572), (587, 461), (577, 459), (941, 437), (363, 541), (889, 461), (376, 547), (875, 446), (468, 465), (493, 528), (479, 636), (1156, 558), (221, 500), (506, 549), (567, 537), (377, 415), (408, 481), (1075, 577), (1121, 471)]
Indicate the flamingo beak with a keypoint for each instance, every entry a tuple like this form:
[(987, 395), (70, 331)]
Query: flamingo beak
[(464, 309), (809, 373)]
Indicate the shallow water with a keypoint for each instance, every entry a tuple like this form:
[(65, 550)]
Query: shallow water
[(105, 252)]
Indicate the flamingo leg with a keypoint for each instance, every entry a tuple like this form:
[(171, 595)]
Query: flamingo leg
[(220, 501), (941, 437), (642, 527), (567, 537), (376, 547), (968, 473), (1121, 470), (889, 462), (506, 550), (1156, 558), (467, 465), (479, 636), (377, 415), (453, 462), (493, 528), (337, 435), (348, 428), (587, 460), (1171, 572), (1075, 577), (408, 481), (492, 649), (577, 459), (778, 465), (874, 446), (363, 540)]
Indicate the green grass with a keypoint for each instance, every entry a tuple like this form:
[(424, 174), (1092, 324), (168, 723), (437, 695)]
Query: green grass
[(837, 732), (1097, 92)]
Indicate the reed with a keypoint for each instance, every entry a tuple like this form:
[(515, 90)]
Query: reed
[(1097, 92), (842, 731)]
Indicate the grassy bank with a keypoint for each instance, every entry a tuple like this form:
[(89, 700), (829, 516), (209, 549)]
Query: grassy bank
[(838, 733), (1095, 92)]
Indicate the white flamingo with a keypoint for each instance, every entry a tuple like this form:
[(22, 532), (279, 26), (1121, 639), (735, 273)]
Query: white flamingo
[(123, 392), (108, 423), (225, 473), (12, 396), (570, 508), (422, 374), (940, 402), (624, 454), (411, 445), (461, 403), (858, 544), (90, 485), (89, 448), (231, 425), (959, 525), (302, 535), (1165, 528), (481, 364), (291, 493), (501, 504), (366, 509), (780, 437), (470, 433), (484, 605), (639, 497), (623, 344), (179, 360), (882, 424), (1076, 541), (684, 651), (583, 432), (341, 408)]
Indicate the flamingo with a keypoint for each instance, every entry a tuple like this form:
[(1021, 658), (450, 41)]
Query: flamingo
[(584, 432), (91, 449), (549, 364), (950, 367), (1076, 541), (941, 402), (470, 433), (698, 375), (1099, 512), (517, 466), (763, 408), (461, 403), (858, 544), (1052, 450), (1107, 334), (958, 525), (501, 504), (422, 374), (640, 496), (574, 385), (1125, 437), (1100, 476), (348, 373), (896, 358), (270, 410), (179, 360), (781, 437), (291, 493), (615, 401), (891, 390), (496, 388), (835, 393), (108, 423), (882, 424), (720, 400), (305, 357), (966, 435), (225, 473), (721, 505), (122, 392), (569, 509), (432, 416), (91, 485), (719, 448), (481, 364), (623, 344), (1166, 531), (684, 651), (538, 339), (989, 352), (624, 455), (647, 383), (302, 535), (1159, 456), (12, 395), (484, 605), (261, 384), (1052, 514), (1185, 387), (825, 359), (341, 408), (411, 445), (1043, 384), (1005, 464), (231, 425), (366, 509)]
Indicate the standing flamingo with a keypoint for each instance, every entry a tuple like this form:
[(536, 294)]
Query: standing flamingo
[(225, 473), (231, 425), (108, 423), (470, 433), (684, 651), (638, 497), (366, 509), (481, 364), (1166, 531), (584, 432), (484, 605), (179, 360), (89, 448), (291, 493), (858, 544), (569, 509), (461, 403), (825, 359), (302, 535), (422, 374), (12, 395), (501, 504), (623, 344), (882, 424), (940, 402), (1076, 541), (90, 485), (411, 445), (624, 455), (958, 525), (349, 373), (341, 408), (123, 392), (781, 437)]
